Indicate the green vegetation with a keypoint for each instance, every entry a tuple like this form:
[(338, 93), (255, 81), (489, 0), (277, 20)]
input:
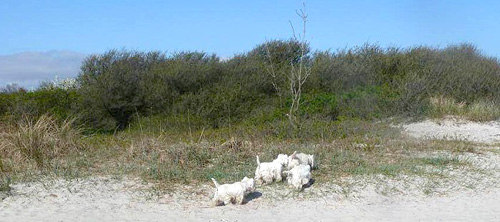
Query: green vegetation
[(440, 161), (191, 116), (477, 111), (4, 184), (366, 82)]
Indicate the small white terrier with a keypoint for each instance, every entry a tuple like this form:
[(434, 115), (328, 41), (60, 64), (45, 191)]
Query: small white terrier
[(268, 172), (300, 159), (235, 192), (298, 176)]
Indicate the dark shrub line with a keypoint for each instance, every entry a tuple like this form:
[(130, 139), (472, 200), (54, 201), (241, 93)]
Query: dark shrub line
[(365, 82)]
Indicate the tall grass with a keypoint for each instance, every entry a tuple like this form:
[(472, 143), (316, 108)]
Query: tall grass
[(441, 106), (165, 156), (40, 141), (481, 110)]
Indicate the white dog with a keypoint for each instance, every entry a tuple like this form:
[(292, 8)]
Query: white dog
[(235, 192), (298, 176), (268, 172), (300, 159)]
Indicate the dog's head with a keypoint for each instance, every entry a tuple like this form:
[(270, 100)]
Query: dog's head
[(288, 175), (282, 159), (249, 184), (293, 161)]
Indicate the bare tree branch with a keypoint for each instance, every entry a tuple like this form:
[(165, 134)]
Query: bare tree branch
[(298, 73)]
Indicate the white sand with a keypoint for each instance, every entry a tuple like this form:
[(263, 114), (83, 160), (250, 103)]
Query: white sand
[(105, 200), (455, 129), (462, 195)]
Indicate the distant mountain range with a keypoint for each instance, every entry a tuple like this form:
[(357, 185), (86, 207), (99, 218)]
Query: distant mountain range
[(29, 69)]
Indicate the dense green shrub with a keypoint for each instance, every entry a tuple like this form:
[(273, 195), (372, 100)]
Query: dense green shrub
[(248, 72), (320, 104), (57, 101), (281, 53), (112, 85), (277, 57), (405, 79), (6, 101), (192, 71), (160, 90), (365, 82)]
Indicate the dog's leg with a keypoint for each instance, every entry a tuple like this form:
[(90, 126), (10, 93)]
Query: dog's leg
[(268, 180), (278, 177), (299, 186), (227, 200), (240, 199), (258, 179), (305, 181), (216, 202)]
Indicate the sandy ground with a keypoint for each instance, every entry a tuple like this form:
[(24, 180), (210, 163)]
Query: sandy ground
[(453, 129), (462, 195)]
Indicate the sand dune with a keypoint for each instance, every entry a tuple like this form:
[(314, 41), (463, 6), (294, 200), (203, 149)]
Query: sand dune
[(466, 196)]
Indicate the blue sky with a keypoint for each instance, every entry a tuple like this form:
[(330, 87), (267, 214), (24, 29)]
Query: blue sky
[(64, 32)]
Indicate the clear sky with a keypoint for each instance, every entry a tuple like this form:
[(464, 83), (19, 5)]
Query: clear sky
[(41, 39)]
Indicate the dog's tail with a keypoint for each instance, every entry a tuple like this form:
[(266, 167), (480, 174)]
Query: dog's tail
[(215, 182), (312, 162), (258, 162)]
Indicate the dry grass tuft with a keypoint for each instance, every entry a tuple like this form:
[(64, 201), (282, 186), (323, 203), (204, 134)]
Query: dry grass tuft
[(347, 149), (40, 141), (483, 111), (441, 106)]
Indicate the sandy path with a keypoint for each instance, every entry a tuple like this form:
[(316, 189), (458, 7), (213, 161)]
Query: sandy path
[(451, 128), (112, 201), (467, 196)]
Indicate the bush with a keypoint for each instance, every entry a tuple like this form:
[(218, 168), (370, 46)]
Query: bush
[(248, 72), (319, 104), (364, 82), (56, 101), (192, 71), (111, 85), (277, 57), (6, 102), (407, 78)]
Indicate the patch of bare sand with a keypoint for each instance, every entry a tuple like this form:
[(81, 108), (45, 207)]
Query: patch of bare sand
[(458, 194), (452, 128), (125, 200)]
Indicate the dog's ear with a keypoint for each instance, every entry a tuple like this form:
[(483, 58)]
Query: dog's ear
[(293, 154), (282, 156), (251, 182)]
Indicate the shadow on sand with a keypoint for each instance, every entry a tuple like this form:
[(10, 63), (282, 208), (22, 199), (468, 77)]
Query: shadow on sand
[(252, 196), (307, 185)]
